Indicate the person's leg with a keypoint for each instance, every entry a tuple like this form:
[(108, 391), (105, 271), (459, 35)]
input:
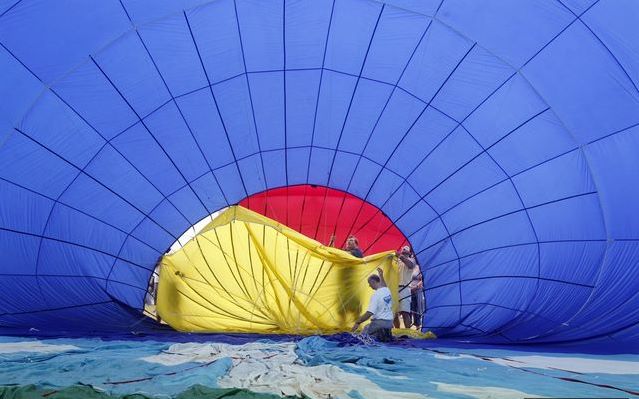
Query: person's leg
[(404, 310), (385, 334), (380, 330), (419, 311), (406, 319), (396, 320), (413, 309), (372, 327)]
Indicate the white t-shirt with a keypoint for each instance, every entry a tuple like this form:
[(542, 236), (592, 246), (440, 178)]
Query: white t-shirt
[(381, 305)]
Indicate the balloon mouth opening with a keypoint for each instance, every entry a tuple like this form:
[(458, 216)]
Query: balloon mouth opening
[(321, 214)]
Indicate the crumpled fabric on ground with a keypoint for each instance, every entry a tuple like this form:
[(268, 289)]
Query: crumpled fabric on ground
[(35, 347), (88, 392), (112, 366), (437, 371), (277, 368)]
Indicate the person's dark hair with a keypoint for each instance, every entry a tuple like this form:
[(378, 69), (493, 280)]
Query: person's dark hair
[(355, 240), (374, 277)]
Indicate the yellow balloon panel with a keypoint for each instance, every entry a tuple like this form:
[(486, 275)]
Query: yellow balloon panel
[(247, 273)]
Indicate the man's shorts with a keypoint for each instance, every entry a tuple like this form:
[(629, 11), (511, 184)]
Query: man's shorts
[(404, 302), (379, 329)]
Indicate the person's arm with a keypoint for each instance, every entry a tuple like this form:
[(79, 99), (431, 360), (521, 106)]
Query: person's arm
[(408, 261), (380, 272), (367, 315)]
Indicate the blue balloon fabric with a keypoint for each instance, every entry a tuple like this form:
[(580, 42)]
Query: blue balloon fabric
[(502, 138)]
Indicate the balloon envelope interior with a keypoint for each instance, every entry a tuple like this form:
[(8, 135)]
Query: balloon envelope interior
[(499, 139)]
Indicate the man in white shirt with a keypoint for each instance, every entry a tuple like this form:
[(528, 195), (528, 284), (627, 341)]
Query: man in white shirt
[(380, 310)]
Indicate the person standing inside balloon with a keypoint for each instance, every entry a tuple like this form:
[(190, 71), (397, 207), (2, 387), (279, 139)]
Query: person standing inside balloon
[(406, 263), (348, 286), (417, 302), (351, 246)]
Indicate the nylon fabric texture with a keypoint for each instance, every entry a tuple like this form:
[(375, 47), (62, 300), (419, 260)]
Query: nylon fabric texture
[(500, 138), (87, 392), (246, 273), (320, 212)]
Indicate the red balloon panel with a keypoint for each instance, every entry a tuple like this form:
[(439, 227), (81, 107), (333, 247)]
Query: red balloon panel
[(319, 212)]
